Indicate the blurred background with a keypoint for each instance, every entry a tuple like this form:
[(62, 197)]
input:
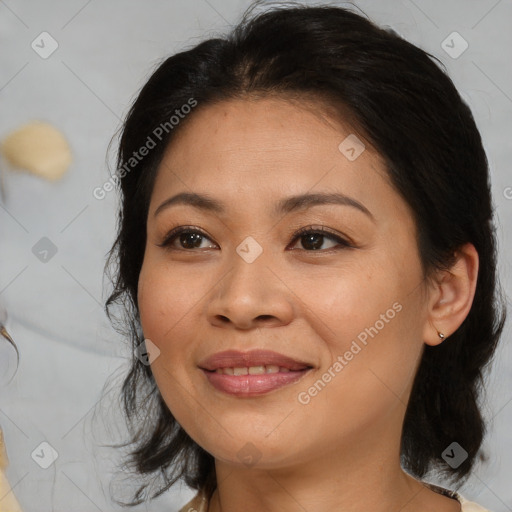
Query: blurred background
[(78, 65)]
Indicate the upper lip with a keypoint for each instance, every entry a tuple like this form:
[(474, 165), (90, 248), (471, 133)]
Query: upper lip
[(237, 359)]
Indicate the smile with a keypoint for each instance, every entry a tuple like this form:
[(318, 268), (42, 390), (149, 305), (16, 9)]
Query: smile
[(246, 374), (252, 370)]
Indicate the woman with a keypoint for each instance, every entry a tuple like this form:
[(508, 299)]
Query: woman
[(307, 262)]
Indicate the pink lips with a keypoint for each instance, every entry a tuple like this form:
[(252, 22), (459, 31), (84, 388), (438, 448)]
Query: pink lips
[(251, 373)]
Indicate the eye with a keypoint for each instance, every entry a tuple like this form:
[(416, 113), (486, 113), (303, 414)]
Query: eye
[(188, 238), (313, 239)]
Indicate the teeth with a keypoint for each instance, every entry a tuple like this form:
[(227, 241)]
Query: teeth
[(256, 370), (252, 370)]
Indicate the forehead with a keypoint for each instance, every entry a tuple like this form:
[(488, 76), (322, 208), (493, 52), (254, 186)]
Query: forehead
[(273, 129), (255, 149)]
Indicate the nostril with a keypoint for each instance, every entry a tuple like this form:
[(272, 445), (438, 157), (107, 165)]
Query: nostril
[(264, 317)]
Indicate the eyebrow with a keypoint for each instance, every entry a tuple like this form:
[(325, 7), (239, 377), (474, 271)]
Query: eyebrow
[(287, 205)]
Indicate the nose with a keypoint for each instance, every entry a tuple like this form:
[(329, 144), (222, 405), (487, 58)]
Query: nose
[(250, 295)]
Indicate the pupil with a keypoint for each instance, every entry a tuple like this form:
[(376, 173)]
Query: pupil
[(190, 240), (314, 239)]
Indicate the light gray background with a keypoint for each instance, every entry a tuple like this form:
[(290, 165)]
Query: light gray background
[(68, 349)]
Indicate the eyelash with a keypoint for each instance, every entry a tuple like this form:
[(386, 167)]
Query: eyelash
[(343, 244)]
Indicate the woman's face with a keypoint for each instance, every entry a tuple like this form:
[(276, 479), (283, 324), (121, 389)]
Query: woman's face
[(276, 346)]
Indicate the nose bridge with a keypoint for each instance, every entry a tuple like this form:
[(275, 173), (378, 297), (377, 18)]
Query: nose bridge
[(247, 281), (249, 292)]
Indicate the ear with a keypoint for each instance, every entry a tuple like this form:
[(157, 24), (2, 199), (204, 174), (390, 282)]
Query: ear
[(451, 295)]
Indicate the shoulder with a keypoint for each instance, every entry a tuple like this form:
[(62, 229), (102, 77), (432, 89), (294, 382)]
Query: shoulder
[(470, 506), (197, 504), (466, 505)]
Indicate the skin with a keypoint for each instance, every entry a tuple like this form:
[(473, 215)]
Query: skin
[(339, 452)]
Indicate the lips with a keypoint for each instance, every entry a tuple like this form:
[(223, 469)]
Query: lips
[(253, 358), (252, 373)]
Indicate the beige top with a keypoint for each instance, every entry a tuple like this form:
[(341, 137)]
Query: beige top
[(199, 502)]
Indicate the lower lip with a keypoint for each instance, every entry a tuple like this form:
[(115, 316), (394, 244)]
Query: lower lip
[(252, 385)]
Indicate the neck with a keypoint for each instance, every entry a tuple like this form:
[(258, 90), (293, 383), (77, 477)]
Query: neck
[(363, 474)]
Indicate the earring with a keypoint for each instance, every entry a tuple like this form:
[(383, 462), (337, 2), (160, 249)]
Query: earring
[(441, 335)]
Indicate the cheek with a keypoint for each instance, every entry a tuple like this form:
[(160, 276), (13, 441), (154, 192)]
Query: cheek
[(343, 302), (167, 299), (164, 298), (370, 323)]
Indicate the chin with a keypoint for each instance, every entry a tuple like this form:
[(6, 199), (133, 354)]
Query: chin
[(251, 450)]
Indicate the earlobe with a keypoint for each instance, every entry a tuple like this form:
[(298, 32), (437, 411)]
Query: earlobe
[(452, 296)]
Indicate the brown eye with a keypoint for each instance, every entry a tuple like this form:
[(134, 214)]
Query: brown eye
[(186, 238), (314, 240)]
